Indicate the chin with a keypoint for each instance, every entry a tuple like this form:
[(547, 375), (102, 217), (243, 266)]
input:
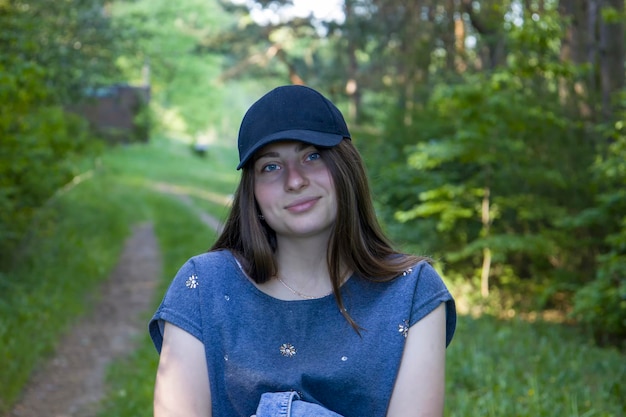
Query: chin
[(302, 231)]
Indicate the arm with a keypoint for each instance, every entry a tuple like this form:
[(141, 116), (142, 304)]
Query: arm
[(420, 385), (182, 381)]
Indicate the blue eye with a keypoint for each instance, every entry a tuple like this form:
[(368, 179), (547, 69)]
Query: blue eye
[(269, 168), (313, 156)]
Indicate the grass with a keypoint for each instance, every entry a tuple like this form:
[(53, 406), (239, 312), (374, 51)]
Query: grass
[(516, 368), (495, 367), (76, 240), (75, 245)]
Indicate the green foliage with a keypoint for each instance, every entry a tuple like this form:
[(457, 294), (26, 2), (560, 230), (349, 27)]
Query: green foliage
[(494, 368), (495, 160), (514, 368), (450, 142), (535, 47), (601, 304), (484, 141), (40, 296), (186, 88), (51, 52), (132, 382), (40, 151), (143, 123), (498, 164), (71, 41)]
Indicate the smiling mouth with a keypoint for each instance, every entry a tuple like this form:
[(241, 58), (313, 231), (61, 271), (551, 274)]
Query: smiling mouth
[(302, 205)]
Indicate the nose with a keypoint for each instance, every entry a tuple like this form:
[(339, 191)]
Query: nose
[(296, 178)]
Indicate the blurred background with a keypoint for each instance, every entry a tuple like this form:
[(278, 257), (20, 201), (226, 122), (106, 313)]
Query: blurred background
[(493, 132)]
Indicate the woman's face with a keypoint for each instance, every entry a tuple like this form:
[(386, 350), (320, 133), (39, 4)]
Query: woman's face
[(294, 189)]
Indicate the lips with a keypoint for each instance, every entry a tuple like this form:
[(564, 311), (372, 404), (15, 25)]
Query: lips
[(301, 205)]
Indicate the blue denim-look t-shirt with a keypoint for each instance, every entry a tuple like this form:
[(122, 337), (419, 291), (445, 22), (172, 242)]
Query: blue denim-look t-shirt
[(256, 343)]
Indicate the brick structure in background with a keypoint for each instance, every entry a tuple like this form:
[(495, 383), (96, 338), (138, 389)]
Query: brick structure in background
[(113, 112)]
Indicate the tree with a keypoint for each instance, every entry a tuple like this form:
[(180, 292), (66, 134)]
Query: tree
[(51, 52), (480, 123), (611, 56), (187, 91), (594, 40)]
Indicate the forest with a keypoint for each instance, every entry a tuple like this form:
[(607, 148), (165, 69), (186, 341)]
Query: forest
[(494, 131)]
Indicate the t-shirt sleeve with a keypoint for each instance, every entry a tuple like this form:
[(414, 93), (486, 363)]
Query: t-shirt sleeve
[(430, 292), (180, 306)]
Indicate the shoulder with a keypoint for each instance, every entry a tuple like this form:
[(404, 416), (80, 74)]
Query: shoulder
[(213, 259), (424, 277), (209, 264), (200, 274), (429, 292), (191, 293)]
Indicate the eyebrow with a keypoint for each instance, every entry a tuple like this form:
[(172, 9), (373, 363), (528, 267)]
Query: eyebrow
[(273, 154)]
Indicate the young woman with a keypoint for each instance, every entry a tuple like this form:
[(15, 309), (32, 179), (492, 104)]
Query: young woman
[(302, 307)]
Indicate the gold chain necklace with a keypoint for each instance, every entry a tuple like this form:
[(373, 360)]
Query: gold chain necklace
[(298, 293)]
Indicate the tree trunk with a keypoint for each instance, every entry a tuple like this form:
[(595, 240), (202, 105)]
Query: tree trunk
[(611, 57), (448, 36), (486, 268), (490, 33), (484, 275), (352, 84), (460, 33), (578, 47)]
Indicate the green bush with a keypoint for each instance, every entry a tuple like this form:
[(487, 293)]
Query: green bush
[(50, 52), (601, 304), (40, 154)]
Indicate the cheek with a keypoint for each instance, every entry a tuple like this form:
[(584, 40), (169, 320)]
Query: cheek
[(263, 195), (330, 185)]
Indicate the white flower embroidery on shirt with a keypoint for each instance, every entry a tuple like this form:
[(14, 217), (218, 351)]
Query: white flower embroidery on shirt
[(192, 281), (287, 350), (403, 328)]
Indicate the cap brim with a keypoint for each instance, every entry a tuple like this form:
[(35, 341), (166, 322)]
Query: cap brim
[(321, 139)]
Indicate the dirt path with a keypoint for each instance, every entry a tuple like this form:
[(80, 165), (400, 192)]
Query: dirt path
[(71, 384)]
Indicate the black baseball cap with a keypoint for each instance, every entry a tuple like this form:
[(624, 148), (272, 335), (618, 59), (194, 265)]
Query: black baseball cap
[(290, 112)]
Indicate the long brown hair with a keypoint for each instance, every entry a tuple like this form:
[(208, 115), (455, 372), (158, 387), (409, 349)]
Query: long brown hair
[(357, 241)]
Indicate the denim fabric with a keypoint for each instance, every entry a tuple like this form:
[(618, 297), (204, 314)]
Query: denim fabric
[(258, 344), (288, 404)]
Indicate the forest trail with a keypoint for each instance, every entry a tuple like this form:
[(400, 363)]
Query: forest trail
[(72, 382)]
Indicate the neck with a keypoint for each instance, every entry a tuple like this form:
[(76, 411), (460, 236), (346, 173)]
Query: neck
[(303, 263)]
